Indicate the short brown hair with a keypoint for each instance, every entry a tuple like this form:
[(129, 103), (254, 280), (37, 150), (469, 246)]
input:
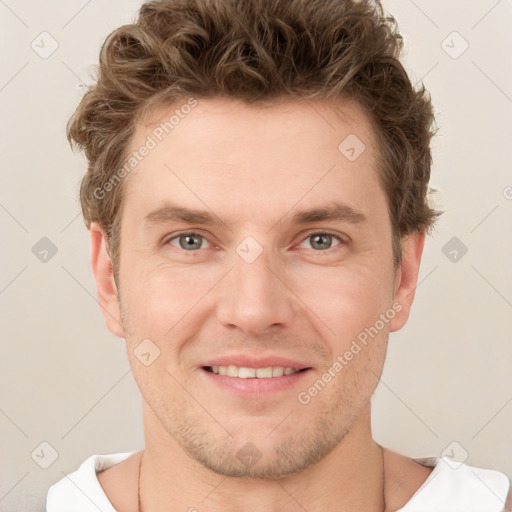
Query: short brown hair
[(257, 51)]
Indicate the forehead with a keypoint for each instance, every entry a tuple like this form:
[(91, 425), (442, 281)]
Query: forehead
[(247, 159)]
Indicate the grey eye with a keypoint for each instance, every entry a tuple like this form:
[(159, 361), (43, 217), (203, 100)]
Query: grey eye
[(321, 241), (188, 241)]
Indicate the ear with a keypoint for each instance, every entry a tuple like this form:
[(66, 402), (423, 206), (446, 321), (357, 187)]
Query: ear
[(106, 288), (407, 277)]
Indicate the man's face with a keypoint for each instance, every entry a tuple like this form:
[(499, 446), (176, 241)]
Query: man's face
[(258, 288)]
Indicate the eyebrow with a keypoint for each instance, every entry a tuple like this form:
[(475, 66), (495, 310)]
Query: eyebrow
[(333, 211)]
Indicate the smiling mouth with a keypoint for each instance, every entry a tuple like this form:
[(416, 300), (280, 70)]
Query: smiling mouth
[(243, 372)]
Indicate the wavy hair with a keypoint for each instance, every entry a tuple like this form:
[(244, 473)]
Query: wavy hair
[(257, 51)]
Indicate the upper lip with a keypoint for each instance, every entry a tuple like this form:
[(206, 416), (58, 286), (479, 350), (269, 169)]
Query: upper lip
[(249, 361)]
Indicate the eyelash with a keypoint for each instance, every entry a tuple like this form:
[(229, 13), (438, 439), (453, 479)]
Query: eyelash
[(310, 235)]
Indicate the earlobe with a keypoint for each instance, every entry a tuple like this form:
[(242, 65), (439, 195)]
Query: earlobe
[(406, 278), (106, 289)]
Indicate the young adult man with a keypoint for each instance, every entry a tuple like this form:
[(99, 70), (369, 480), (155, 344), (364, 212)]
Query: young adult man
[(257, 203)]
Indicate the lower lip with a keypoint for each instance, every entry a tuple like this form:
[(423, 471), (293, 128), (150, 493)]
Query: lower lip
[(255, 385)]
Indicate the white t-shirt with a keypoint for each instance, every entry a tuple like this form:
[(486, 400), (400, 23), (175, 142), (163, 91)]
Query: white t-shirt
[(449, 488)]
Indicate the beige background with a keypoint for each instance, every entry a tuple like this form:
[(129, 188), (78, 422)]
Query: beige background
[(66, 381)]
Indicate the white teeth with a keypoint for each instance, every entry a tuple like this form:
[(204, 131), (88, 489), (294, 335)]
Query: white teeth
[(246, 373), (232, 371), (277, 371), (243, 372), (264, 373)]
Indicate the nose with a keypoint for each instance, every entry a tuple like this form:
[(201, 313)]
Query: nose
[(255, 296)]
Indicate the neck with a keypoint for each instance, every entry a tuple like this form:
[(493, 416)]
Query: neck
[(349, 478)]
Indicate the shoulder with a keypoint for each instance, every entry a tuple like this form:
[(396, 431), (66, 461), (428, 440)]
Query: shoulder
[(459, 486), (403, 477), (80, 486), (471, 487), (120, 482)]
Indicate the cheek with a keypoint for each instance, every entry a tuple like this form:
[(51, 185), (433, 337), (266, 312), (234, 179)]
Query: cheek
[(155, 298), (346, 299), (342, 300)]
